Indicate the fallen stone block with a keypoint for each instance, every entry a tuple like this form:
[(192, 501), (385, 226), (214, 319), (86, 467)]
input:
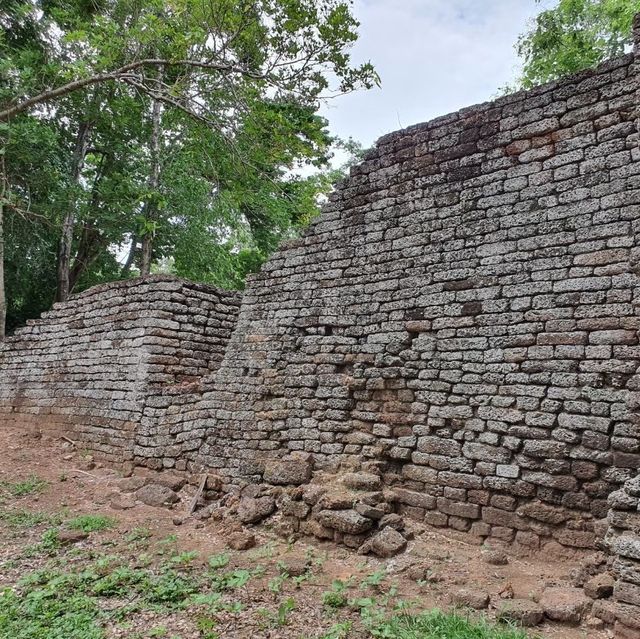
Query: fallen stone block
[(252, 510), (344, 521), (600, 586), (471, 598), (523, 612), (386, 543), (156, 495), (567, 605)]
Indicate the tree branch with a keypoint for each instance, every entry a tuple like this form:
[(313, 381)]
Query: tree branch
[(120, 74)]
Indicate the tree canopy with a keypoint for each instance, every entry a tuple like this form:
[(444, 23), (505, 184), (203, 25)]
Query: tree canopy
[(574, 35), (182, 135)]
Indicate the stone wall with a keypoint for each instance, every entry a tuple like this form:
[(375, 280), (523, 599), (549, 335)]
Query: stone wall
[(461, 322), (623, 542), (465, 311), (97, 366)]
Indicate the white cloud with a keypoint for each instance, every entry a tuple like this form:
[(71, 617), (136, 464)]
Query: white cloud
[(433, 56)]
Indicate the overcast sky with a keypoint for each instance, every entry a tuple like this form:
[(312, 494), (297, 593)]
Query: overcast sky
[(433, 56)]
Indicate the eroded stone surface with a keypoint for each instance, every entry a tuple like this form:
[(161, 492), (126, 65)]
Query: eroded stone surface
[(600, 586), (471, 598), (344, 521), (252, 510), (523, 612), (156, 495), (567, 605), (288, 471), (387, 543)]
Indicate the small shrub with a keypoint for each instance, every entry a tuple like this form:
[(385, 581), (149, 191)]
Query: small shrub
[(284, 609), (336, 597), (91, 523), (218, 561)]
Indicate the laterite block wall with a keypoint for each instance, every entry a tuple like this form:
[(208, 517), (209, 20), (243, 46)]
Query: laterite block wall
[(464, 310), (95, 367)]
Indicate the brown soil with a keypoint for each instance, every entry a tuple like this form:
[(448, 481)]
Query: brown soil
[(76, 486)]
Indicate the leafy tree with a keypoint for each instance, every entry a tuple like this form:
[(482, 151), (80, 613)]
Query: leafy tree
[(574, 35), (170, 129)]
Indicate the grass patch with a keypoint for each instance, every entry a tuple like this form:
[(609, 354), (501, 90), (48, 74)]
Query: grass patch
[(59, 604), (33, 484), (91, 523), (29, 519), (440, 625), (80, 592)]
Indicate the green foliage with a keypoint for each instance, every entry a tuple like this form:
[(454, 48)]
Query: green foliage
[(374, 580), (338, 631), (219, 561), (336, 597), (49, 611), (50, 542), (574, 35), (231, 580), (77, 599), (91, 523), (66, 605), (243, 156), (184, 558)]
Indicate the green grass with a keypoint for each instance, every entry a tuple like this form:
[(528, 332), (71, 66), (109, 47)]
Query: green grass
[(91, 523), (29, 519), (81, 591), (29, 486), (440, 625)]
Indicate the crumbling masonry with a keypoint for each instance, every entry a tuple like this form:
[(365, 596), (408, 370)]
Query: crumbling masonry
[(462, 319)]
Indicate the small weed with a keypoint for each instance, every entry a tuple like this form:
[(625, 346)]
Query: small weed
[(91, 523), (216, 562), (138, 535), (213, 600), (206, 627), (373, 580), (50, 542), (300, 579), (336, 597), (280, 618), (275, 584), (338, 631), (231, 580), (316, 560), (263, 552), (184, 558), (284, 609)]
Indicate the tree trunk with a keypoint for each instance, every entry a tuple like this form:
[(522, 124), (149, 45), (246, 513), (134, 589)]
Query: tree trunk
[(153, 183), (4, 192), (145, 255), (92, 242), (91, 245), (126, 269), (64, 250), (3, 299)]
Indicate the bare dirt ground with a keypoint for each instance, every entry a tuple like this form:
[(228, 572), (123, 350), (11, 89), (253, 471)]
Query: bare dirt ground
[(252, 598)]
